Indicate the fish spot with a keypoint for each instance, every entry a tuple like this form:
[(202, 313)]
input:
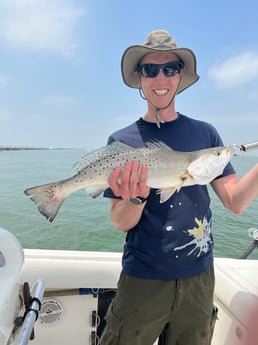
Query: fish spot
[(171, 206), (179, 204)]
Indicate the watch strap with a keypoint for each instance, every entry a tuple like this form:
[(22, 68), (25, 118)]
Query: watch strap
[(138, 200)]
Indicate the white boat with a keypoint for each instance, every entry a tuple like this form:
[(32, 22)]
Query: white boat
[(70, 291)]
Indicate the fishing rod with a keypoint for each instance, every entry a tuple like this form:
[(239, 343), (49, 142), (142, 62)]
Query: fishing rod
[(253, 233)]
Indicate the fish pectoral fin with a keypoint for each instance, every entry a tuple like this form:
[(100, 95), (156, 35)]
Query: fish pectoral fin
[(166, 193)]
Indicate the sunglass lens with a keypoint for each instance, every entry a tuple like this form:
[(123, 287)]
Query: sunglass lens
[(171, 69), (149, 70)]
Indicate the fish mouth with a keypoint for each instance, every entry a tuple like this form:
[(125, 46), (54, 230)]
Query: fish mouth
[(230, 152), (234, 149)]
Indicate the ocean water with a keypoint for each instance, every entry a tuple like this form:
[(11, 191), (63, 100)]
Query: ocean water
[(82, 222)]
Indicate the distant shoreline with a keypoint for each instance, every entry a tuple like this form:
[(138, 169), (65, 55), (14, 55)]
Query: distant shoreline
[(9, 148)]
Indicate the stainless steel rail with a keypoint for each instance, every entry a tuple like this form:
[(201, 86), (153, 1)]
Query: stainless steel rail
[(31, 316)]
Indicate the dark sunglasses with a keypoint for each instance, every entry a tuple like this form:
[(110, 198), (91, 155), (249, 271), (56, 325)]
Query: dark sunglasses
[(151, 70)]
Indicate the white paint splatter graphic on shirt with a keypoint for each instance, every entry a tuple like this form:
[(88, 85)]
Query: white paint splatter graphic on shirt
[(170, 228), (200, 237)]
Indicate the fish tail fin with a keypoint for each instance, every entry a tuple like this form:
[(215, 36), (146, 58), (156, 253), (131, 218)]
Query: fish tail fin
[(48, 199)]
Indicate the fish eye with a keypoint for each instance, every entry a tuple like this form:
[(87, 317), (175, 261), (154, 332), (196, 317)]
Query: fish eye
[(218, 153)]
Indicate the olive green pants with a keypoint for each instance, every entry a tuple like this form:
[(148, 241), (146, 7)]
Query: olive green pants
[(142, 309)]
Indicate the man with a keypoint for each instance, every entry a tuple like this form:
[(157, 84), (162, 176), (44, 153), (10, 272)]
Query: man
[(167, 280)]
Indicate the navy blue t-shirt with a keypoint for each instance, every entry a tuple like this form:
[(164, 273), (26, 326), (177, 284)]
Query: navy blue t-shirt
[(173, 239)]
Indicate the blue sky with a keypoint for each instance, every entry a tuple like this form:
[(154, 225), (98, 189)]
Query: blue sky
[(60, 81)]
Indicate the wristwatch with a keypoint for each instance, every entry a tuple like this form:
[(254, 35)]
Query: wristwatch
[(138, 200)]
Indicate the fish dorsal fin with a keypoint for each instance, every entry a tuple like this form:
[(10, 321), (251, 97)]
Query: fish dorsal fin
[(157, 144), (103, 152)]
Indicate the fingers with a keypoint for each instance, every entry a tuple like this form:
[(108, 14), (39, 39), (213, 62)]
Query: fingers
[(130, 181), (143, 190), (114, 181)]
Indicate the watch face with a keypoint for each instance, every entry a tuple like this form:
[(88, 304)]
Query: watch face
[(138, 200)]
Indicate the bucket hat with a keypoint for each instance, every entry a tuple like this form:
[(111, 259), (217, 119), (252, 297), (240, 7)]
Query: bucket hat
[(158, 41)]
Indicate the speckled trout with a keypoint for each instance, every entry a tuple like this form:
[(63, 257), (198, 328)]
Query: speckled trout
[(168, 172)]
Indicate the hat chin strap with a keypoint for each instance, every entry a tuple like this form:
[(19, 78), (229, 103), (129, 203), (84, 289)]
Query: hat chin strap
[(157, 116)]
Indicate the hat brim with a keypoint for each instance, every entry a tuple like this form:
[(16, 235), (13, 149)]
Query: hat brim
[(133, 55)]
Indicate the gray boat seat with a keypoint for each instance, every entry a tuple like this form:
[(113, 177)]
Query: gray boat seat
[(11, 263)]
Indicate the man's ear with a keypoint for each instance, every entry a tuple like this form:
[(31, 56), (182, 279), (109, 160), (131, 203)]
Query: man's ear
[(137, 78)]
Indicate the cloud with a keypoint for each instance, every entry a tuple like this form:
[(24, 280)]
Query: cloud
[(46, 25), (235, 71)]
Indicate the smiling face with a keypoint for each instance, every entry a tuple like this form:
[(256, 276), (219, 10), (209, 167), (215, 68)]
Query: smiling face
[(159, 90)]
